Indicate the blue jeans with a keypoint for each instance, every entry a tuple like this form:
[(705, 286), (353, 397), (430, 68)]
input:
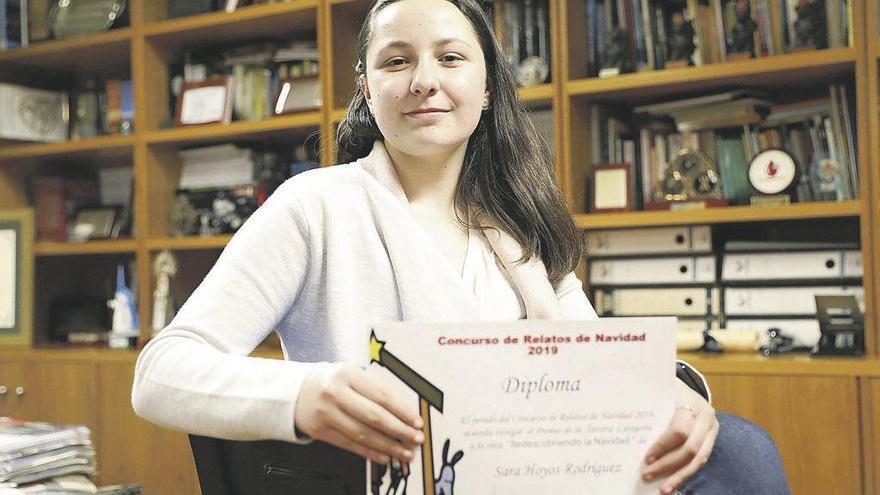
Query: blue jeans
[(744, 460)]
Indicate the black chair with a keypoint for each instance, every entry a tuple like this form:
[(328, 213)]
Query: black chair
[(228, 467)]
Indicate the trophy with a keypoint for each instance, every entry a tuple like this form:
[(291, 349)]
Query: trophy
[(680, 42), (689, 181), (125, 327), (534, 69), (742, 37), (809, 27), (773, 174), (164, 268)]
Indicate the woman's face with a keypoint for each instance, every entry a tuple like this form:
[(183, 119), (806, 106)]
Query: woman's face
[(424, 55)]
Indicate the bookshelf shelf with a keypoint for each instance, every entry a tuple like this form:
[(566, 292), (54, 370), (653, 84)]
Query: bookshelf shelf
[(809, 66), (730, 214), (539, 93), (258, 20), (337, 115), (184, 243), (92, 247), (214, 132), (100, 144), (89, 52)]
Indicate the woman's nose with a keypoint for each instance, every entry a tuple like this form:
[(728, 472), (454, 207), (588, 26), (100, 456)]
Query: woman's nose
[(425, 81)]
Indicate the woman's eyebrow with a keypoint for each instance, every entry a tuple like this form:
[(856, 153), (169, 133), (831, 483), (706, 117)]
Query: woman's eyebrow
[(437, 44)]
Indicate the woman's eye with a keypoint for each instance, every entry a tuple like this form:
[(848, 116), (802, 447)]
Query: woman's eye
[(395, 61), (451, 58)]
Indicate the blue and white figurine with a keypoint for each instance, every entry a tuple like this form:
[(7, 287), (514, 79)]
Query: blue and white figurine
[(125, 316)]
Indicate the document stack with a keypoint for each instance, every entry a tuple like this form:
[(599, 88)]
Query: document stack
[(45, 458), (769, 285), (667, 271)]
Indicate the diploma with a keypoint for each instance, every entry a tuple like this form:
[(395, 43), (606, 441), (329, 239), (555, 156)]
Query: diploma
[(532, 406)]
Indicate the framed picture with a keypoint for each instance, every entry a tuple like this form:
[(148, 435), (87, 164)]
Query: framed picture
[(611, 188), (16, 277), (93, 223), (205, 102), (298, 94)]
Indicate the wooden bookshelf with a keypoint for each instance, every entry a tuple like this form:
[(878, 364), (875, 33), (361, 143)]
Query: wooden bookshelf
[(45, 248), (143, 51), (187, 243), (730, 214)]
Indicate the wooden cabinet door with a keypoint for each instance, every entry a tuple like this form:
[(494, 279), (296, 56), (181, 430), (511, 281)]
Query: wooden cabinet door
[(132, 450), (813, 420), (59, 392), (11, 384), (871, 434)]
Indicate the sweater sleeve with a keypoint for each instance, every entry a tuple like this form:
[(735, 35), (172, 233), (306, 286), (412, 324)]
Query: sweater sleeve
[(572, 301), (195, 375)]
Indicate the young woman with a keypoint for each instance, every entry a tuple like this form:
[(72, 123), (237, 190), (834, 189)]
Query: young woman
[(445, 209)]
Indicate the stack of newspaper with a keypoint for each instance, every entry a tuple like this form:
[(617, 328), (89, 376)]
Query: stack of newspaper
[(58, 457)]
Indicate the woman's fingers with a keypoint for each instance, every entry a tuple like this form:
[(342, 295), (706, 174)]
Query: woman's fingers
[(681, 456), (336, 438), (369, 437), (384, 410), (675, 435), (698, 461)]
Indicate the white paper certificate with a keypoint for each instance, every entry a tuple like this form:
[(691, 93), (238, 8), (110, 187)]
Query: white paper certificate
[(532, 406), (8, 277)]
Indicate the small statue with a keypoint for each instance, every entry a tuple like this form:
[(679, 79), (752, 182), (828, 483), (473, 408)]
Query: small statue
[(616, 56), (681, 39), (164, 268), (809, 28), (125, 315), (743, 32)]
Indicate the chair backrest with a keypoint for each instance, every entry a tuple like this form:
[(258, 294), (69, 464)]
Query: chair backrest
[(229, 467)]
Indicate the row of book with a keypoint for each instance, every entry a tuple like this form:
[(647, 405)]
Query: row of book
[(186, 8), (747, 287), (638, 35), (49, 459), (255, 77), (731, 129)]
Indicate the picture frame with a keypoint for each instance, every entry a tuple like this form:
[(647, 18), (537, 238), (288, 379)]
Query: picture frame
[(92, 223), (611, 188), (205, 102), (16, 277), (297, 94)]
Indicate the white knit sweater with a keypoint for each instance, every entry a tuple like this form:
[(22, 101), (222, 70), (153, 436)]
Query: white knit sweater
[(330, 252)]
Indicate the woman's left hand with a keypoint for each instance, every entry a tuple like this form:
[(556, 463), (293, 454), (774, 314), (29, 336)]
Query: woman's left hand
[(685, 446)]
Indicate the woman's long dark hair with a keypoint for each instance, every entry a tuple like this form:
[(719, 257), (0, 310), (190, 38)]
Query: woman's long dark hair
[(507, 173)]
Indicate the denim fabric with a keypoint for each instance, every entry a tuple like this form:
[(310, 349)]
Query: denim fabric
[(744, 461)]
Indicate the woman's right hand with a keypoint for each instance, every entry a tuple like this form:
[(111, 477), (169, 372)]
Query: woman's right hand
[(344, 406)]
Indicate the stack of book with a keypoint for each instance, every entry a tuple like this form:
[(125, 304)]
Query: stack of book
[(33, 452), (667, 271)]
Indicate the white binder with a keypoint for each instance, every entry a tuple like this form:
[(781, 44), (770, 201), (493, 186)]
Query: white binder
[(805, 332), (677, 270), (695, 239), (673, 301), (762, 301), (791, 265)]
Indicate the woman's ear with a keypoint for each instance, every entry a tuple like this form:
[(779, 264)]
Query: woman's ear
[(365, 89)]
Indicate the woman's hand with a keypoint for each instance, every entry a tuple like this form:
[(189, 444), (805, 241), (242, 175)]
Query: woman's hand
[(685, 446), (346, 407)]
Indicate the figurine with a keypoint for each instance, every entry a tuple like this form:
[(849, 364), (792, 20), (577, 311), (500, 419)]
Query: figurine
[(616, 56), (184, 217), (164, 268), (743, 32), (809, 28), (681, 39), (125, 327)]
